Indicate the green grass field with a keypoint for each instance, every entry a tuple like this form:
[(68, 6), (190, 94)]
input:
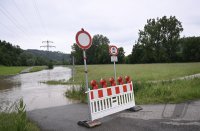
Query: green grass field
[(145, 92), (138, 72), (11, 70)]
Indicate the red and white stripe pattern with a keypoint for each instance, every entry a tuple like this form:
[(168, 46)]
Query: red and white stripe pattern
[(110, 91), (106, 101)]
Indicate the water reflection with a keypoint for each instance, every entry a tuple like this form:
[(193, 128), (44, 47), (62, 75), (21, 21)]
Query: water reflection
[(34, 93), (7, 84)]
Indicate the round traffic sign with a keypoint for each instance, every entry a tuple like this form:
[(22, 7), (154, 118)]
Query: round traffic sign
[(113, 50), (83, 39)]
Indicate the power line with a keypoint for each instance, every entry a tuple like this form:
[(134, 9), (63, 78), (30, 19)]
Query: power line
[(13, 20), (7, 29), (47, 45), (39, 16), (22, 14)]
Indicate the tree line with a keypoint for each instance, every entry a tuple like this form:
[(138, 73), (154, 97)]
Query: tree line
[(98, 53), (13, 55), (158, 42)]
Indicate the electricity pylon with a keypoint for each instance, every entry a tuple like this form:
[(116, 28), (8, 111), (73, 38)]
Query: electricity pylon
[(47, 46)]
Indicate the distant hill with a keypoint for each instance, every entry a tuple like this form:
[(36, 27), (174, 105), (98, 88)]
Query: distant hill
[(55, 56)]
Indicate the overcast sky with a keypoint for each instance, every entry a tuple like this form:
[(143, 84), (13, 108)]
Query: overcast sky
[(29, 22)]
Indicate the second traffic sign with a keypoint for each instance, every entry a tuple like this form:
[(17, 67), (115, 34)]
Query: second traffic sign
[(113, 50)]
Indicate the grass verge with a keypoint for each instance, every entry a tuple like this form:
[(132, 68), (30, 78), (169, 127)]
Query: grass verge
[(77, 93), (17, 119), (168, 92), (58, 82), (11, 70), (38, 68)]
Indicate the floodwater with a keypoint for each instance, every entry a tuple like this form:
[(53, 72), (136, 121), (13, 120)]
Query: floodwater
[(35, 94)]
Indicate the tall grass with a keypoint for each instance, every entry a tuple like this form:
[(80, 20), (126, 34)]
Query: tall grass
[(77, 93), (14, 118), (168, 92)]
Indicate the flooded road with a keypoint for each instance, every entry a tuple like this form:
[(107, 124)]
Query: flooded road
[(35, 94)]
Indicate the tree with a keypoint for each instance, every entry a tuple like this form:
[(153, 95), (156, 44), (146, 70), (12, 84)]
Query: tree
[(190, 49), (137, 55), (77, 53), (121, 55), (98, 53), (158, 41)]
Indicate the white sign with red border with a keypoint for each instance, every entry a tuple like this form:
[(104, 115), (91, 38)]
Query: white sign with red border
[(83, 39), (113, 50)]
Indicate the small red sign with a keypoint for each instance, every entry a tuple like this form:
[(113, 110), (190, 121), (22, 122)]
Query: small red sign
[(113, 50)]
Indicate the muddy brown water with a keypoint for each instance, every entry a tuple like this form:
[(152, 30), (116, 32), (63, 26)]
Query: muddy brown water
[(35, 94)]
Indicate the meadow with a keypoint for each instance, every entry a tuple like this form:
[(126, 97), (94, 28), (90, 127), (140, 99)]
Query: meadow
[(137, 72), (146, 92), (11, 70), (14, 70)]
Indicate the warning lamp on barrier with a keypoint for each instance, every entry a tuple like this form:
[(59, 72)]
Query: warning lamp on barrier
[(94, 84), (120, 80), (128, 79), (109, 100), (103, 83), (112, 81)]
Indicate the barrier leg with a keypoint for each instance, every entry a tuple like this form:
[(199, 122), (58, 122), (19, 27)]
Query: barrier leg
[(89, 124), (135, 109)]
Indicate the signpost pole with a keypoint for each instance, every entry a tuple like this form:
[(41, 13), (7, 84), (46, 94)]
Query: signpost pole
[(115, 70), (86, 81), (84, 41), (73, 67)]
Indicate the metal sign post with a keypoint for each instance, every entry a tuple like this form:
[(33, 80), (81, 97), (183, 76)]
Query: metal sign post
[(85, 64), (86, 81), (113, 52), (84, 41), (115, 71), (73, 70)]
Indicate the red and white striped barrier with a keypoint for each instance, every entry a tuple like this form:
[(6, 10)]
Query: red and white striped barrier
[(109, 100)]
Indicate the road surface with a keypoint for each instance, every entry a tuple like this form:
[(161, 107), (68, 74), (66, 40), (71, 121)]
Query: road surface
[(163, 117)]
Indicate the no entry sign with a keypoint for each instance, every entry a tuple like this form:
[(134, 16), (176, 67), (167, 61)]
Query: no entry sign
[(83, 39), (113, 50)]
